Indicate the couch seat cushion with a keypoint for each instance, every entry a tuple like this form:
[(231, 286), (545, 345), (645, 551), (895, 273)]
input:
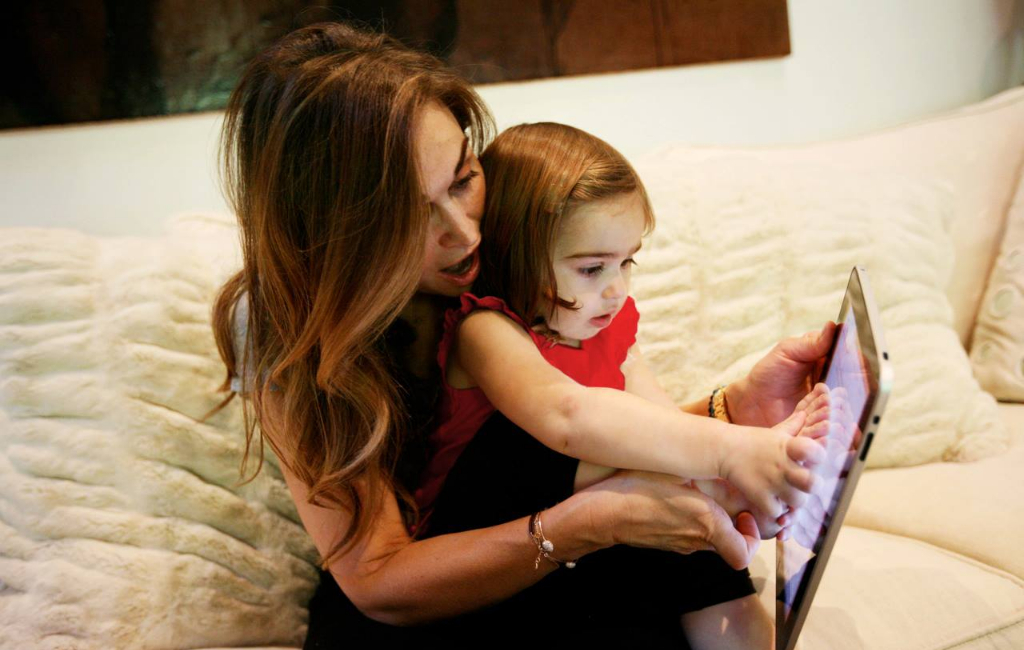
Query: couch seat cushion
[(884, 592), (971, 508)]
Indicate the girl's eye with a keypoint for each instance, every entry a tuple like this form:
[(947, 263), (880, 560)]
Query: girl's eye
[(629, 261), (462, 184), (591, 271)]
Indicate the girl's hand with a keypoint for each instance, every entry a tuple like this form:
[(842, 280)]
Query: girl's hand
[(774, 468), (651, 510), (734, 503)]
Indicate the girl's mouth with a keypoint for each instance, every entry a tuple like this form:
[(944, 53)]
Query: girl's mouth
[(601, 321), (463, 272)]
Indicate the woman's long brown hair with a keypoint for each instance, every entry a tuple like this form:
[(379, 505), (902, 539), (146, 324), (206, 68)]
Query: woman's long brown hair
[(536, 174), (319, 166)]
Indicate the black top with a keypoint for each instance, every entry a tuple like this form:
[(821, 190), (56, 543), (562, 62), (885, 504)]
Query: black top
[(621, 595)]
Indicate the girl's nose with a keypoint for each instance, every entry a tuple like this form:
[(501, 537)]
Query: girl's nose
[(616, 289)]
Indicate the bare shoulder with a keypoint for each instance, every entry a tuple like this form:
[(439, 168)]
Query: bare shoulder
[(476, 335), (484, 324)]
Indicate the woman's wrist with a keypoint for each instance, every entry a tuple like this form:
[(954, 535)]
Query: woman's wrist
[(742, 410), (582, 524)]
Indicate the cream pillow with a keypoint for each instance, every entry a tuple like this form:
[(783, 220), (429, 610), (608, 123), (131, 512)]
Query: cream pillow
[(976, 151), (748, 251), (997, 350), (120, 522)]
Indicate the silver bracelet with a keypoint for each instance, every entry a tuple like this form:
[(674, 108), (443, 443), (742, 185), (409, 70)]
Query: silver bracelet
[(544, 546)]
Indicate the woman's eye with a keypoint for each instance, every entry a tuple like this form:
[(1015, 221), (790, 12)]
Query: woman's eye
[(591, 271), (463, 183)]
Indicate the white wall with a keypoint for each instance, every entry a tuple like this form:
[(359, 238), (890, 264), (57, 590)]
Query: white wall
[(856, 65)]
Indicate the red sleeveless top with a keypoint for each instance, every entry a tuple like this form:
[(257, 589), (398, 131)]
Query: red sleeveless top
[(596, 363)]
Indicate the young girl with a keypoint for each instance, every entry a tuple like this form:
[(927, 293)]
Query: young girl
[(550, 344)]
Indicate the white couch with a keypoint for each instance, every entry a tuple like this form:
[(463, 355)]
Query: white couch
[(121, 525)]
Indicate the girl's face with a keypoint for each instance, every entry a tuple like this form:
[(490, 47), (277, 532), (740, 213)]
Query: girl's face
[(593, 258), (453, 185)]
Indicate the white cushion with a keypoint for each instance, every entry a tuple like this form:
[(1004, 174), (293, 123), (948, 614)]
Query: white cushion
[(121, 524), (976, 509), (976, 151), (997, 349), (749, 250), (884, 592)]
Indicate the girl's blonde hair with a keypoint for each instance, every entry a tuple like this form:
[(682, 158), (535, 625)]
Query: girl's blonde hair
[(319, 164), (536, 174)]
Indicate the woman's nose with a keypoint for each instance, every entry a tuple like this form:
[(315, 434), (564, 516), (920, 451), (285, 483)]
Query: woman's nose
[(459, 229)]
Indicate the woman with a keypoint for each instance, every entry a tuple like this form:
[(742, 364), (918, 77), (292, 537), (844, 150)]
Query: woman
[(351, 164)]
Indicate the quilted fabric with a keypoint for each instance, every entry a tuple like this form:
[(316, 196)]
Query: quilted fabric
[(748, 251), (121, 521), (997, 350)]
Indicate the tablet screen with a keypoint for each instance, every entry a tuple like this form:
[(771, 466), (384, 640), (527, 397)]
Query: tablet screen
[(852, 389)]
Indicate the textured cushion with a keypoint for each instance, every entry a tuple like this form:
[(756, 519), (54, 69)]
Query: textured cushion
[(749, 250), (997, 350), (974, 509), (121, 524), (883, 592), (976, 151)]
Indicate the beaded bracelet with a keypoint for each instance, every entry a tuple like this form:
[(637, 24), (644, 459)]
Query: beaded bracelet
[(717, 407), (544, 547)]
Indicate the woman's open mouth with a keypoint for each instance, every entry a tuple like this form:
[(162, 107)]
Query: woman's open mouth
[(463, 272)]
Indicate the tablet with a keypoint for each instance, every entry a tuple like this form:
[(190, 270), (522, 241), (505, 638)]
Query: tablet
[(859, 376)]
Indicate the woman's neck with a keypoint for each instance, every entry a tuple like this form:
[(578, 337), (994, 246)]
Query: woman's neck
[(424, 313)]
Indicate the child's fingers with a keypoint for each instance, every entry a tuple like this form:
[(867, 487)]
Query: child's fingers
[(818, 431), (793, 497), (801, 478), (809, 398), (769, 505), (805, 451)]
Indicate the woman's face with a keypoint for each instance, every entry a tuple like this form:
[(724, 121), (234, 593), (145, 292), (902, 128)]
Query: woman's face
[(453, 185)]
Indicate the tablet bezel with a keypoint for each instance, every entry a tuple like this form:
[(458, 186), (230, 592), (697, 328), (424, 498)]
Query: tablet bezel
[(860, 297)]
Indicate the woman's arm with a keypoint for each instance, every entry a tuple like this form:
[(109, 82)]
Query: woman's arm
[(398, 581), (395, 580), (614, 428)]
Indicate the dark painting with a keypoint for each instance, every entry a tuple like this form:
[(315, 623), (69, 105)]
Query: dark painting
[(88, 60)]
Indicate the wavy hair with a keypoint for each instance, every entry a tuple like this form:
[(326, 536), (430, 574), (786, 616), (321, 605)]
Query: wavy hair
[(536, 174), (318, 163)]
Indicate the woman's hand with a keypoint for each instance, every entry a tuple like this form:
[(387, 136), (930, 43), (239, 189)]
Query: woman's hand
[(778, 382), (653, 510)]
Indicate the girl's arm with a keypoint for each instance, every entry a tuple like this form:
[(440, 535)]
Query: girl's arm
[(616, 429), (641, 380)]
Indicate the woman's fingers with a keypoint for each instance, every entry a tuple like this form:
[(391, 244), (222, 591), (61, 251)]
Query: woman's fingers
[(738, 544)]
